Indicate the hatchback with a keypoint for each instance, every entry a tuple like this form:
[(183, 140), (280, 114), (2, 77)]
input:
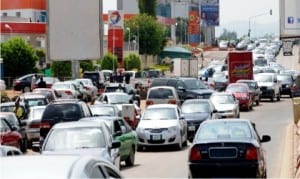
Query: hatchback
[(242, 93), (162, 95)]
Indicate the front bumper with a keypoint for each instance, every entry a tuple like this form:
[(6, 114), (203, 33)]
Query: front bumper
[(158, 138), (267, 93), (220, 115)]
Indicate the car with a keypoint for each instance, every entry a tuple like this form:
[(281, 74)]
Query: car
[(23, 83), (19, 126), (126, 88), (255, 90), (228, 148), (269, 85), (49, 92), (136, 76), (33, 124), (63, 166), (34, 99), (286, 82), (162, 95), (49, 81), (154, 73), (80, 90), (107, 74), (296, 86), (195, 111), (105, 110), (242, 93), (220, 81), (121, 131), (62, 110), (97, 78), (186, 87), (67, 90), (9, 135), (6, 151), (10, 106), (223, 45), (91, 89), (82, 138), (287, 47), (226, 104), (161, 125)]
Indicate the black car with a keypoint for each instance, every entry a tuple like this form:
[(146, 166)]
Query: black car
[(255, 90), (195, 111), (287, 83), (227, 148), (23, 83), (187, 88), (62, 110)]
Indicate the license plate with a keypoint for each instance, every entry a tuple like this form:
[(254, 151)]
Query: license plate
[(192, 128), (156, 137)]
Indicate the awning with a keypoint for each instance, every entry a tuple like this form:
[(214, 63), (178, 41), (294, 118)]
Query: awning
[(175, 52)]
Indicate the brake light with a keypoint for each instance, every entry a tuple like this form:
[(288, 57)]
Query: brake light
[(251, 153), (68, 92), (195, 154), (149, 102), (45, 125), (127, 119), (172, 101), (34, 125)]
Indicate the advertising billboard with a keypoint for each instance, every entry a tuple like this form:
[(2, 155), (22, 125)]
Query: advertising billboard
[(289, 18), (240, 66), (209, 13), (73, 30), (194, 25)]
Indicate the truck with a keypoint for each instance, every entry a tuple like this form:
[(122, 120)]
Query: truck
[(287, 47), (240, 66)]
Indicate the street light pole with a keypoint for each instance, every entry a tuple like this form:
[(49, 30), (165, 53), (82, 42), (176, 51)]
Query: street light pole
[(129, 47), (10, 29), (266, 13)]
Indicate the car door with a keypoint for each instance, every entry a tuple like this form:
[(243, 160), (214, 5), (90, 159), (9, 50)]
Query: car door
[(127, 137), (119, 136), (181, 90), (8, 136), (182, 123)]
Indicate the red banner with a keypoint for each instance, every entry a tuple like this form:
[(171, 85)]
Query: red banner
[(115, 44)]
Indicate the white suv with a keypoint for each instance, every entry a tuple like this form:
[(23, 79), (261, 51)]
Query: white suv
[(269, 85)]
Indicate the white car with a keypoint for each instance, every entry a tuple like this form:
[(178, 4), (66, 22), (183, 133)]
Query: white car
[(90, 88), (67, 90), (223, 45), (226, 104), (162, 124), (269, 85)]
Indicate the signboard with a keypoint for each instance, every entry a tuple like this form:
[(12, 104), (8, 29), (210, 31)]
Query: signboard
[(209, 13), (240, 66), (194, 25), (73, 29), (115, 19), (289, 19)]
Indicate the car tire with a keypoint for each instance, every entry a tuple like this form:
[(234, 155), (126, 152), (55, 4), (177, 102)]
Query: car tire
[(130, 159), (291, 95), (278, 97), (272, 98), (257, 102), (179, 145), (140, 148)]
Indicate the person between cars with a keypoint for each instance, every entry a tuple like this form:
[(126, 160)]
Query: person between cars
[(33, 80), (18, 110), (42, 83), (120, 89)]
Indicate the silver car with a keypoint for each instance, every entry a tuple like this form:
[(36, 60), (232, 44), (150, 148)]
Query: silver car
[(60, 166), (162, 124), (226, 104)]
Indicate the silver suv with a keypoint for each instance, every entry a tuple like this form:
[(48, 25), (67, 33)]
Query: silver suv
[(269, 85)]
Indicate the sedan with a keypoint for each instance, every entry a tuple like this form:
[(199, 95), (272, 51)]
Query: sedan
[(195, 111), (81, 138), (228, 148), (226, 104), (9, 135), (162, 124), (48, 80), (66, 90), (255, 90), (220, 81), (105, 110), (242, 93), (90, 88)]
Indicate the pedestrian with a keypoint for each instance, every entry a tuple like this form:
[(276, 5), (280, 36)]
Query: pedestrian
[(42, 83), (18, 110), (33, 81), (127, 78)]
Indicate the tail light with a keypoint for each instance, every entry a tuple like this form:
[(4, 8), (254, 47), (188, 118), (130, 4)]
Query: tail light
[(45, 125), (34, 125), (16, 82), (172, 101), (195, 154), (149, 102), (100, 91), (68, 92), (127, 119), (251, 153)]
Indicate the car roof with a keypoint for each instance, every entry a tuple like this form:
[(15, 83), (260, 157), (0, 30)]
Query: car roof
[(31, 95), (159, 87), (7, 113), (162, 106), (76, 124), (115, 93), (101, 118), (229, 120), (245, 81), (196, 100), (238, 84), (224, 93)]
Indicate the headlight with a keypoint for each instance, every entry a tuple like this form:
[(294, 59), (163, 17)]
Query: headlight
[(287, 86), (172, 129)]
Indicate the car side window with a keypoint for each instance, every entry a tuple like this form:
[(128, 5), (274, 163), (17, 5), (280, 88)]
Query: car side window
[(180, 84), (123, 123), (86, 110), (97, 172), (117, 126), (4, 126)]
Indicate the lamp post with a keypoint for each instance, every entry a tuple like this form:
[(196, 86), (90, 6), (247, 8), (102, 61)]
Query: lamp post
[(262, 14), (10, 29), (128, 39)]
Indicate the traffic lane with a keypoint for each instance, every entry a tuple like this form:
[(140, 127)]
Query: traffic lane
[(273, 118)]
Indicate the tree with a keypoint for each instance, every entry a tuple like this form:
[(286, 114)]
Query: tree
[(228, 35), (132, 61), (61, 69), (86, 65), (40, 53), (109, 62), (19, 58), (147, 7)]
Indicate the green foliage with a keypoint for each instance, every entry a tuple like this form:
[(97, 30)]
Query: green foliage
[(109, 62), (86, 65), (19, 58), (132, 61), (165, 67), (61, 69), (147, 7), (150, 33), (228, 35)]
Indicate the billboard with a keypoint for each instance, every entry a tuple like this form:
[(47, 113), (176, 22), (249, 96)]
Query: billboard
[(289, 18), (209, 13), (194, 25), (73, 29)]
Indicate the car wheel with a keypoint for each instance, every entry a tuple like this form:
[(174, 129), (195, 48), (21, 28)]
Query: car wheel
[(291, 95), (179, 145), (257, 102), (26, 89), (23, 145), (278, 97), (130, 159), (272, 98)]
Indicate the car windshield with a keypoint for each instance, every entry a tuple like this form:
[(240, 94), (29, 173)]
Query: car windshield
[(251, 85), (75, 138), (61, 86), (36, 113), (119, 99), (161, 93), (236, 88), (196, 107), (10, 118), (263, 78), (194, 84), (36, 102), (109, 89), (160, 114), (222, 99), (65, 112), (224, 130), (286, 78), (102, 110)]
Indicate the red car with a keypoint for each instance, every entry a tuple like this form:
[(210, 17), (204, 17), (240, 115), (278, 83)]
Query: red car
[(9, 135), (242, 93)]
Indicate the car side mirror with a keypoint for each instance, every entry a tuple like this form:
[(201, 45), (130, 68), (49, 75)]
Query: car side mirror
[(265, 138), (115, 144)]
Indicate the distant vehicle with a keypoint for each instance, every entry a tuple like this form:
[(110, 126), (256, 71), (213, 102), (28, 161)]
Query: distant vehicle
[(90, 88), (226, 104), (23, 83), (97, 78), (228, 148), (107, 74), (49, 92), (287, 48), (34, 99), (49, 81), (223, 45), (63, 167), (105, 110), (162, 124), (9, 107), (155, 73), (2, 85), (286, 82), (67, 90), (255, 90), (6, 151), (296, 86), (220, 81)]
